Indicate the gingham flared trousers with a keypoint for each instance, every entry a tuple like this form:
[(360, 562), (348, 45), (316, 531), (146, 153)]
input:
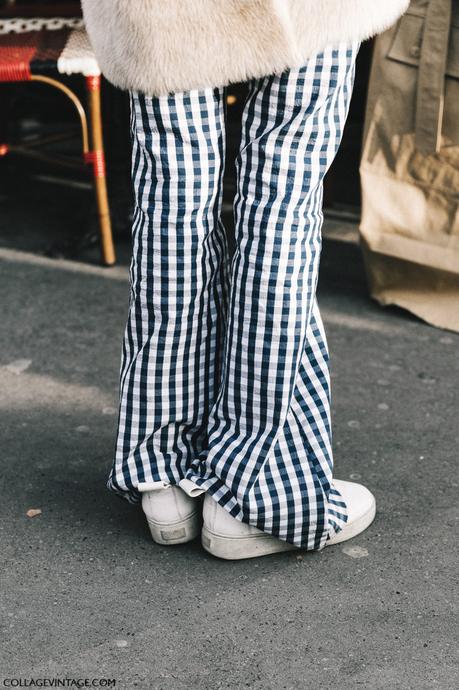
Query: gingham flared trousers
[(224, 377)]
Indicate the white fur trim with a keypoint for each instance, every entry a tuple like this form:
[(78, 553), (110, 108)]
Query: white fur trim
[(162, 46)]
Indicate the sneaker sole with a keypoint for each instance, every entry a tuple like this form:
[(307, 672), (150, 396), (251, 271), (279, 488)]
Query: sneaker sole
[(180, 532), (237, 548), (352, 530)]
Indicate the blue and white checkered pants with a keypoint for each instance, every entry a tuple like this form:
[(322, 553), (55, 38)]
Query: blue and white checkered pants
[(224, 377)]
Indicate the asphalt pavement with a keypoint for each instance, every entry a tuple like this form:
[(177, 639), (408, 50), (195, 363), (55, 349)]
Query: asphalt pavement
[(86, 594)]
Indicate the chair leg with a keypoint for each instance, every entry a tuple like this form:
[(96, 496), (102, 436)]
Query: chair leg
[(97, 158)]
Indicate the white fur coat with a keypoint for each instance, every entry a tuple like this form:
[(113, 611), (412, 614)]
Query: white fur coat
[(163, 46)]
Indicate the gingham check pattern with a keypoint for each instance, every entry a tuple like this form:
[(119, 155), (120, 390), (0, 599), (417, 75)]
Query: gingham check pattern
[(225, 375)]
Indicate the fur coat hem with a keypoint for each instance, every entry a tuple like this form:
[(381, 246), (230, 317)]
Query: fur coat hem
[(164, 46)]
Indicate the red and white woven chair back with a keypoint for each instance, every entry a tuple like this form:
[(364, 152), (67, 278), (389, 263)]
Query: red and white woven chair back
[(38, 45)]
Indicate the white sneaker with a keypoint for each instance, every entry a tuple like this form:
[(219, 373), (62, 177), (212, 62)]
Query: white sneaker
[(173, 512), (361, 510), (225, 537)]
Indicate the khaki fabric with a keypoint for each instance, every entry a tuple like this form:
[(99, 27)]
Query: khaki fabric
[(410, 165)]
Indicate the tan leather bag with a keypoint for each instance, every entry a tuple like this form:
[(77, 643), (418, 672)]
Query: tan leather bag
[(410, 165)]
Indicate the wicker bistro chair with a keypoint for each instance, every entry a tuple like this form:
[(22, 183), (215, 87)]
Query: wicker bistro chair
[(41, 50)]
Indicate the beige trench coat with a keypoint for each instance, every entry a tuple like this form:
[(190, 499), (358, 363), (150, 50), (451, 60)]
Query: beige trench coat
[(410, 165)]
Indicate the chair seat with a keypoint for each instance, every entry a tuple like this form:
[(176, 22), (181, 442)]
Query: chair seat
[(37, 46)]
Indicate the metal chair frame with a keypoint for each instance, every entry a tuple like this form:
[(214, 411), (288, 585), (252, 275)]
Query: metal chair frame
[(92, 149)]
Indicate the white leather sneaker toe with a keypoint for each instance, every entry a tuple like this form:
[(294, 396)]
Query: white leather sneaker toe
[(173, 515), (361, 509)]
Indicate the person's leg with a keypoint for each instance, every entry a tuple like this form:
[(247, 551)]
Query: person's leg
[(179, 282), (269, 459)]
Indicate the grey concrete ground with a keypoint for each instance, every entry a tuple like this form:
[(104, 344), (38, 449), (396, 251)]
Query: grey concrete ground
[(85, 592)]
